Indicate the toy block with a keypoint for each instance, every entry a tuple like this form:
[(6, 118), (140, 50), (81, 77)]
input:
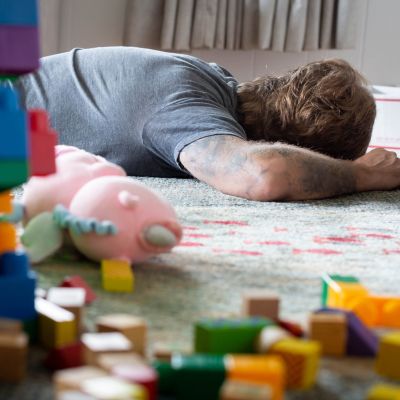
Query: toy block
[(388, 358), (8, 237), (69, 356), (382, 391), (8, 78), (142, 375), (13, 173), (71, 378), (10, 326), (260, 303), (301, 358), (268, 337), (57, 327), (14, 264), (13, 356), (78, 282), (134, 328), (110, 360), (223, 336), (73, 395), (71, 299), (164, 352), (117, 276), (329, 280), (291, 327), (14, 127), (95, 344), (258, 369), (21, 12), (238, 390), (40, 292), (42, 144), (6, 202), (19, 48), (346, 295), (330, 330), (111, 388), (31, 329), (387, 311)]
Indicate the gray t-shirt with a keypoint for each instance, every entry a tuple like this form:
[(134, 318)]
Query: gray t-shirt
[(137, 107)]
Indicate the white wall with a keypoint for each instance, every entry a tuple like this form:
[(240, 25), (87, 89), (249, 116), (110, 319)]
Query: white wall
[(377, 54)]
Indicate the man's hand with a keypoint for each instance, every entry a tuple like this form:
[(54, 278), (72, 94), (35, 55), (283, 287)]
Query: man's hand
[(378, 170)]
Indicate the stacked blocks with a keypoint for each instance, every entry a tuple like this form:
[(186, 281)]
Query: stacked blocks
[(117, 276), (388, 360)]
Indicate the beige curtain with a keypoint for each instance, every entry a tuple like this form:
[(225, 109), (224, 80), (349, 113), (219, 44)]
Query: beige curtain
[(279, 25)]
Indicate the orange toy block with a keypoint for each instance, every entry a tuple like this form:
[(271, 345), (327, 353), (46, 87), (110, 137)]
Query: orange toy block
[(258, 369), (345, 294), (6, 202), (8, 237)]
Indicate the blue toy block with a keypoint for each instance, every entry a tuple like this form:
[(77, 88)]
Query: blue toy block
[(18, 12), (14, 126), (14, 264)]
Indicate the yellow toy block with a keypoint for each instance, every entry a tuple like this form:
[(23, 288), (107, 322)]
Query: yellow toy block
[(117, 276), (388, 358), (6, 202), (258, 369), (57, 327), (345, 294), (301, 358), (383, 391), (8, 237)]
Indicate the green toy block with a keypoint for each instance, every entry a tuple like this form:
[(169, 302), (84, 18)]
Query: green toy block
[(224, 336), (8, 77), (326, 278), (166, 377), (13, 173), (199, 376)]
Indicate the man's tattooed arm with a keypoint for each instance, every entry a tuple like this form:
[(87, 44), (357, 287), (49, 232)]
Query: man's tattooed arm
[(268, 172)]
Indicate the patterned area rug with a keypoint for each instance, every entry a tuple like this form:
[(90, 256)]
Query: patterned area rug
[(231, 245)]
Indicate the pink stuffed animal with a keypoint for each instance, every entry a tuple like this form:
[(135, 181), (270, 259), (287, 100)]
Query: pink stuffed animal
[(107, 215)]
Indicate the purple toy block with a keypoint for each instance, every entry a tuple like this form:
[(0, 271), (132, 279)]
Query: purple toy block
[(19, 49), (361, 341)]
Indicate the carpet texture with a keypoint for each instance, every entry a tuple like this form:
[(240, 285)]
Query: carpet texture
[(230, 245)]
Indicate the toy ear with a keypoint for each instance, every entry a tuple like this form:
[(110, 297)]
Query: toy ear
[(127, 199)]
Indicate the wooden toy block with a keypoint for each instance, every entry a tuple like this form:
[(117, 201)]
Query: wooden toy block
[(164, 351), (110, 360), (42, 144), (238, 390), (6, 202), (301, 358), (142, 375), (111, 388), (95, 344), (260, 303), (19, 48), (71, 299), (258, 369), (382, 391), (69, 356), (224, 336), (71, 378), (268, 337), (13, 356), (21, 12), (388, 358), (78, 282), (330, 330), (117, 276), (10, 326), (329, 280), (13, 173), (57, 327), (8, 237), (134, 328)]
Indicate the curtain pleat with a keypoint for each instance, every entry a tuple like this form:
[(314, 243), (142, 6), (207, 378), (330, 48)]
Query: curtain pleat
[(278, 25)]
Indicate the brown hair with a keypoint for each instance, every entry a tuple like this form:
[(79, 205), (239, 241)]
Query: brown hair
[(324, 106)]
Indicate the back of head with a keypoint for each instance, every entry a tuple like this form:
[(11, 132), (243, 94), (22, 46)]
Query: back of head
[(324, 106)]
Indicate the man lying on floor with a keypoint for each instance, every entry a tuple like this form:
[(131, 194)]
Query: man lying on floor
[(299, 136)]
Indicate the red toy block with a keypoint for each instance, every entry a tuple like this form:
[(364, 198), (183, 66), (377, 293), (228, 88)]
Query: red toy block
[(78, 282), (42, 140), (70, 356)]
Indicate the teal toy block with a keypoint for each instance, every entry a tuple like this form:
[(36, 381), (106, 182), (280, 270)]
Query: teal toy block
[(17, 287), (18, 12), (13, 173), (327, 278), (167, 377), (14, 126), (224, 336)]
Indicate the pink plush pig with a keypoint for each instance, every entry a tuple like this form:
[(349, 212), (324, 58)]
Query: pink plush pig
[(107, 215)]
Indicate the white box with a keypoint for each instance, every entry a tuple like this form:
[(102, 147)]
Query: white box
[(386, 131)]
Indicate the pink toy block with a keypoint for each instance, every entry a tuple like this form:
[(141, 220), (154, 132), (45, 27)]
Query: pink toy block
[(43, 141), (78, 282), (19, 48)]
